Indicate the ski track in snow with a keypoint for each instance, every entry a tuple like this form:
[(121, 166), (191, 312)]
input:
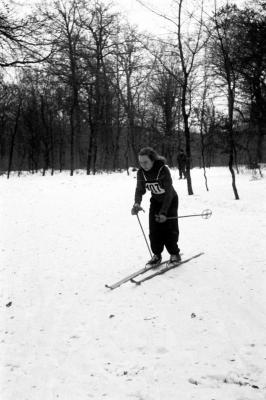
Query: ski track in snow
[(197, 332)]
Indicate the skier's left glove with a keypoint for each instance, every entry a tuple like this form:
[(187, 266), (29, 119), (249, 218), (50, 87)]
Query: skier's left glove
[(136, 209), (160, 218)]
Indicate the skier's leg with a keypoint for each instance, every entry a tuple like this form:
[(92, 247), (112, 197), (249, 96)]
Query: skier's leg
[(171, 229), (156, 236)]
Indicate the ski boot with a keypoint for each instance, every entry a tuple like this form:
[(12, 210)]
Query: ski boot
[(174, 259), (155, 261)]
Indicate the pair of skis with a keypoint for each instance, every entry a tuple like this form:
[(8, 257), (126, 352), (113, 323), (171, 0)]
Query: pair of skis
[(161, 269)]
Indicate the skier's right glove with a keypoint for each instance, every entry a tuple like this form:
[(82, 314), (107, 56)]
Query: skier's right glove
[(136, 209)]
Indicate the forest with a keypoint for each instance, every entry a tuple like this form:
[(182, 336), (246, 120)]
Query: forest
[(82, 88)]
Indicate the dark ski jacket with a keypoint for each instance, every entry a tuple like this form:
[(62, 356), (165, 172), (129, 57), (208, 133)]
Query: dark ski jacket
[(181, 159), (158, 180)]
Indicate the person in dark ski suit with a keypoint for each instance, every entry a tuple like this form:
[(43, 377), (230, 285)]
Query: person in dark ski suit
[(155, 176), (181, 161)]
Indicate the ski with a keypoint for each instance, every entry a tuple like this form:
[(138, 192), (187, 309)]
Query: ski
[(163, 270), (132, 276)]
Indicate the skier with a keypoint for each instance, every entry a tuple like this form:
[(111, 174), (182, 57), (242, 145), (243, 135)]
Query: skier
[(181, 161), (155, 176)]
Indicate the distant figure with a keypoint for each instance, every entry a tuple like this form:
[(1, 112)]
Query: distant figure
[(181, 160)]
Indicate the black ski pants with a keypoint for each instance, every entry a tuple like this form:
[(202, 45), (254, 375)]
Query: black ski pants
[(165, 233)]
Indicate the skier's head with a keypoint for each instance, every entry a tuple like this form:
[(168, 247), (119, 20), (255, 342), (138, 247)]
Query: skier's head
[(147, 157)]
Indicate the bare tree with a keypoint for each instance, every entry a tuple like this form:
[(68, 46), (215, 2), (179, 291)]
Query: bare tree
[(250, 48), (21, 40), (223, 60), (202, 111), (130, 61), (65, 33), (132, 73), (164, 94), (99, 27), (186, 47), (13, 111)]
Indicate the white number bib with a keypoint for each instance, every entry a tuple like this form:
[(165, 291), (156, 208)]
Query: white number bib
[(154, 187)]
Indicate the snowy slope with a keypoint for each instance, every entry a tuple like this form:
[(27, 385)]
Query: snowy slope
[(198, 332)]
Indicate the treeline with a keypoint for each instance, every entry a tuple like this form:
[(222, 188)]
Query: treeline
[(81, 88)]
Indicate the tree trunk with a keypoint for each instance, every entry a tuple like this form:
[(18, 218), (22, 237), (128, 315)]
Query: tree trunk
[(230, 164), (231, 137), (203, 149), (185, 114), (187, 138), (72, 141), (12, 144)]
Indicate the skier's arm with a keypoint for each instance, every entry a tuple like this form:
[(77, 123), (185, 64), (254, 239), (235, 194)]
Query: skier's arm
[(140, 188), (169, 191)]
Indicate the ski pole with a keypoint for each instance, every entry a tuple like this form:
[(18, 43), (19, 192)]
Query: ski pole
[(204, 214), (144, 236)]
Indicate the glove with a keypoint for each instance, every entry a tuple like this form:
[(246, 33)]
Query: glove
[(160, 218), (136, 209)]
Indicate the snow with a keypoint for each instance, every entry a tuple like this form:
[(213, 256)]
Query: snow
[(197, 332)]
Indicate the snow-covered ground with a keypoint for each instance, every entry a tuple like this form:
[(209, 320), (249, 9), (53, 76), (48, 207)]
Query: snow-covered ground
[(197, 332)]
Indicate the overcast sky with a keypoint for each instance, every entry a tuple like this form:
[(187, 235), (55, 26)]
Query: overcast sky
[(147, 20), (139, 15)]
